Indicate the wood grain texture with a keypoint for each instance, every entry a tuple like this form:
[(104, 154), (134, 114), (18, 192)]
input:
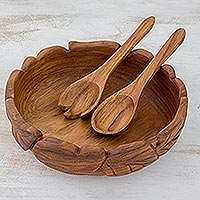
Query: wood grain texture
[(72, 146)]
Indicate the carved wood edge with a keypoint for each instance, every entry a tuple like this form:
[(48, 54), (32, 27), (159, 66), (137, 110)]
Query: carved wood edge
[(166, 138), (96, 44), (24, 133), (135, 155), (144, 53), (169, 135), (68, 157)]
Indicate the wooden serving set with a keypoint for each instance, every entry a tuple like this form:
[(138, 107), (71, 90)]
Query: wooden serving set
[(98, 108)]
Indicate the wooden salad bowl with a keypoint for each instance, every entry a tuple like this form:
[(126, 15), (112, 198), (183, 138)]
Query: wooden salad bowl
[(72, 146)]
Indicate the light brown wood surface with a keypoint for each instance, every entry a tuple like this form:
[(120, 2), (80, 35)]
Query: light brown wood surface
[(72, 146), (116, 112), (82, 97)]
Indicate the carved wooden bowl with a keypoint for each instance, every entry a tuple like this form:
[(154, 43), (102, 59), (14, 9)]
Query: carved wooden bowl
[(72, 146)]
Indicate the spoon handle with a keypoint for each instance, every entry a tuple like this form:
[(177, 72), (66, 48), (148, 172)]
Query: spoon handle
[(109, 66), (170, 46)]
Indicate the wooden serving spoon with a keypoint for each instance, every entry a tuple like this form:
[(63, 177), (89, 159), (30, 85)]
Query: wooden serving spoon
[(82, 96), (116, 112)]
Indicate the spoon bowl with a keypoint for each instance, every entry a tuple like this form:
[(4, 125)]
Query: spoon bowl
[(109, 119), (79, 98)]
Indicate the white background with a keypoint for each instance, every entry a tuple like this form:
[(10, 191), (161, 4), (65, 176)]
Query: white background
[(28, 26)]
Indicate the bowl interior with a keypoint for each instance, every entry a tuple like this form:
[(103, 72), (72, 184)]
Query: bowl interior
[(38, 89)]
